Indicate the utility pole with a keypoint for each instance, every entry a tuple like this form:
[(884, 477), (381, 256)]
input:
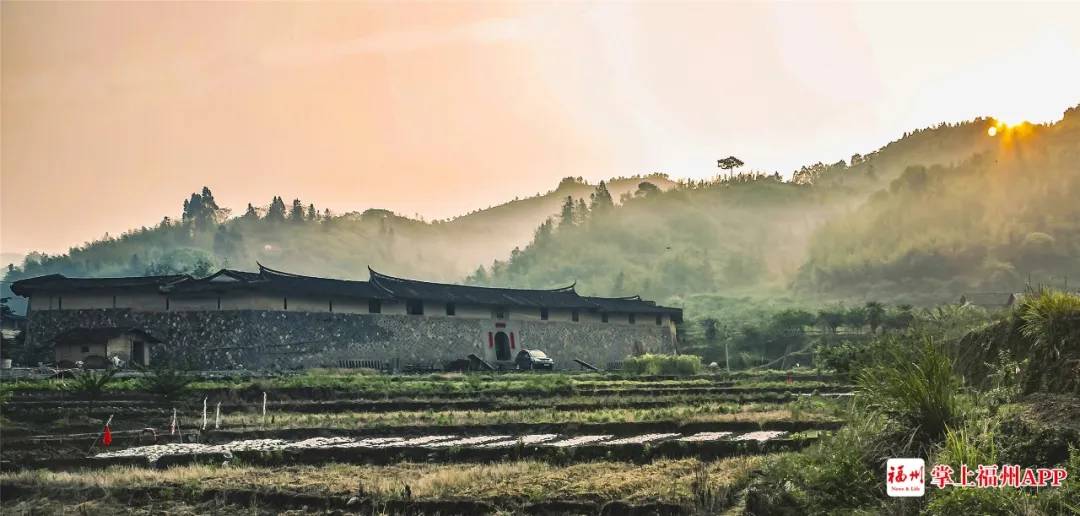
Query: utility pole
[(727, 361)]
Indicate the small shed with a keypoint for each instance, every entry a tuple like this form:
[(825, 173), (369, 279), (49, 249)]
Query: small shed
[(95, 347)]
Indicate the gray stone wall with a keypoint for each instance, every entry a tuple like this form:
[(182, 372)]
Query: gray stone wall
[(261, 339)]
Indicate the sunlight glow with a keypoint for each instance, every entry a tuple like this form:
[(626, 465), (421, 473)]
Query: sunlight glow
[(992, 131)]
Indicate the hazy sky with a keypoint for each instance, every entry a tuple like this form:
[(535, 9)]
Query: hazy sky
[(112, 114)]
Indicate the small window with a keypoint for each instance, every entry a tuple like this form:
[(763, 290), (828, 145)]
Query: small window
[(543, 314), (574, 316), (632, 318), (603, 317), (284, 303), (166, 302), (218, 302), (374, 306), (114, 302), (60, 303), (500, 313), (414, 307), (331, 305), (451, 309), (86, 349), (659, 320)]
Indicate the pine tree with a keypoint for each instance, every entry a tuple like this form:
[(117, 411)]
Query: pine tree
[(312, 214), (566, 217), (276, 213), (601, 198), (581, 212), (543, 232), (296, 214)]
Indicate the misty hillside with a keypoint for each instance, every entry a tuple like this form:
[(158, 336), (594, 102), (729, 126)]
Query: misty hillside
[(296, 236), (990, 223), (938, 213)]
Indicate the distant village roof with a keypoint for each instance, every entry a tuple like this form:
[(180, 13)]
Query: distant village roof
[(380, 286)]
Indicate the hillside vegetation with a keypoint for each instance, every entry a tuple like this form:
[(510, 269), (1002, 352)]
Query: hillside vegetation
[(925, 219), (297, 237), (984, 224), (937, 213)]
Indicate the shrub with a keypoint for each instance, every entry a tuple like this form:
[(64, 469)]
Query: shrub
[(166, 381), (920, 394), (663, 364), (91, 383), (1051, 325), (836, 475)]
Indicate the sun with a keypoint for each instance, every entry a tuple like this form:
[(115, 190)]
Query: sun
[(992, 131)]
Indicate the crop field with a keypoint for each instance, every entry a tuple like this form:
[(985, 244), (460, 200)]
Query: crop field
[(330, 441)]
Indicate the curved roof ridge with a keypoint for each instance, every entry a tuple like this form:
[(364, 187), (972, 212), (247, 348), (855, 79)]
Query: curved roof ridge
[(263, 268), (375, 275), (635, 297)]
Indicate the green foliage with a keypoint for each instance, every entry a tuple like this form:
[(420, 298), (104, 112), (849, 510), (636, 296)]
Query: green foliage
[(846, 358), (91, 383), (989, 502), (917, 390), (984, 224), (167, 381), (1051, 324), (840, 474), (649, 364), (1040, 338)]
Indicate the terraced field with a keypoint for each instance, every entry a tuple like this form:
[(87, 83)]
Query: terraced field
[(673, 432)]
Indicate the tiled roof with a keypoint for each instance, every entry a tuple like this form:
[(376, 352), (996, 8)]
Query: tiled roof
[(564, 297), (380, 286), (53, 282)]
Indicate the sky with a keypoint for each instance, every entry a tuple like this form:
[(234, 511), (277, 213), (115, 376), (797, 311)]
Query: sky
[(112, 113)]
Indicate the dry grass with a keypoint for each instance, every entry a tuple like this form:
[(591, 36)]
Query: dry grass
[(668, 480), (707, 412)]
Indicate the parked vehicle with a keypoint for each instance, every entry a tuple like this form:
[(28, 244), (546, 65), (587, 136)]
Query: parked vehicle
[(529, 359)]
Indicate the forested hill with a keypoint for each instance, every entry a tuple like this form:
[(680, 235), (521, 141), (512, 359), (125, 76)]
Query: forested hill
[(991, 223), (297, 236), (938, 213)]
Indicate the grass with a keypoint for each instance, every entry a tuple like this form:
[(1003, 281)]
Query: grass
[(514, 482), (706, 412), (681, 365), (917, 391), (403, 386), (1051, 324)]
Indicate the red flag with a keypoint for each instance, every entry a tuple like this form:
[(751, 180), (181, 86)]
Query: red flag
[(107, 438)]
